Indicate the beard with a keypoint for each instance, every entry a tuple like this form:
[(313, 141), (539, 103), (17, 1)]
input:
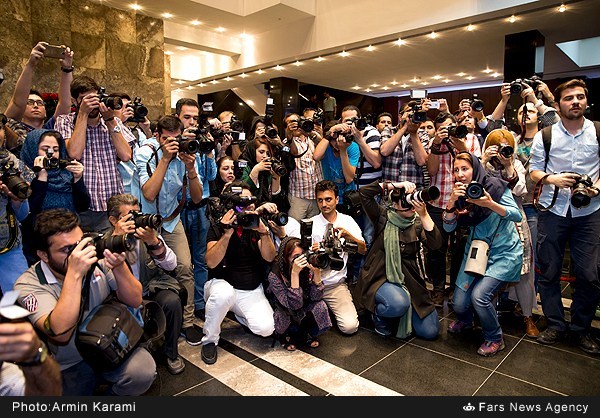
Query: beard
[(94, 114), (58, 267)]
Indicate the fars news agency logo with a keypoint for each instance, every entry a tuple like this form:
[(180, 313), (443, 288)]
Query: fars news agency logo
[(468, 407)]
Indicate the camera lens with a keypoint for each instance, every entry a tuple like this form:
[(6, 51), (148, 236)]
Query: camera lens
[(474, 190), (506, 150), (319, 260), (460, 131)]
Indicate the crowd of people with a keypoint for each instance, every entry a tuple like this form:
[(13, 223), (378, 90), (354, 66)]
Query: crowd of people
[(294, 232)]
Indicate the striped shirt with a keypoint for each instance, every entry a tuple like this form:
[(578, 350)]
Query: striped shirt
[(307, 173), (401, 165), (101, 175), (365, 171)]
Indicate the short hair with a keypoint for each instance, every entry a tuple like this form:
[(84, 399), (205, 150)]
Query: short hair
[(51, 222), (169, 123), (325, 185), (82, 84), (388, 114), (185, 101), (36, 92), (121, 95), (496, 136), (224, 114), (569, 85), (441, 118), (351, 107), (115, 202)]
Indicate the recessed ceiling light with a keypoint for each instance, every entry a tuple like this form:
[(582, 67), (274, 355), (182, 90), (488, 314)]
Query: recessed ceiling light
[(368, 90), (393, 83), (220, 29), (414, 79), (562, 8), (189, 87), (424, 83), (344, 54), (487, 71), (433, 35), (278, 67), (241, 104), (178, 90), (167, 15), (461, 74), (297, 63), (374, 85), (180, 82), (250, 102), (243, 75), (446, 80), (470, 78), (496, 75), (200, 85), (386, 88), (400, 42), (371, 48), (260, 72), (404, 85), (319, 59), (355, 88), (228, 78), (512, 19), (214, 82), (471, 28), (196, 22), (135, 6), (182, 48), (437, 77)]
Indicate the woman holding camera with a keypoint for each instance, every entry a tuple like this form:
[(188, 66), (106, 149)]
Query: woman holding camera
[(261, 174), (391, 283), (225, 175), (499, 159), (296, 291), (58, 182), (485, 204)]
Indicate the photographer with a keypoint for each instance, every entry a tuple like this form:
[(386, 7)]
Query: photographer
[(228, 146), (150, 263), (264, 172), (165, 174), (58, 182), (391, 284), (94, 136), (13, 210), (55, 286), (296, 287), (489, 210), (573, 152), (236, 258)]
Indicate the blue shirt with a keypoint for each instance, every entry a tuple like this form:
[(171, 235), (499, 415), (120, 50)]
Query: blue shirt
[(576, 153), (171, 186), (332, 168), (506, 249), (206, 168)]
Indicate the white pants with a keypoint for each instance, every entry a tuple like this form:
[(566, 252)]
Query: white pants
[(251, 308)]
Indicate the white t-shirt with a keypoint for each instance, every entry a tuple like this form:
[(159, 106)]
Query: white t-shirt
[(318, 230)]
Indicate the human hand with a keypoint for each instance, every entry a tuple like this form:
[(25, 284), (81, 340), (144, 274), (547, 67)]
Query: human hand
[(76, 168)]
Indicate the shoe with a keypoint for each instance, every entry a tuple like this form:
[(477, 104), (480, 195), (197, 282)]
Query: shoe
[(530, 329), (489, 348), (438, 297), (458, 327), (209, 353), (176, 365), (381, 326), (192, 335), (587, 344), (200, 313), (550, 336)]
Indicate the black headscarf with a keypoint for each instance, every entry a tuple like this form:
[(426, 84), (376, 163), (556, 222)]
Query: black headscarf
[(493, 185)]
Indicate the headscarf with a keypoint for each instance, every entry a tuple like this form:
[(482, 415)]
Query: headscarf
[(493, 185), (60, 182), (282, 268)]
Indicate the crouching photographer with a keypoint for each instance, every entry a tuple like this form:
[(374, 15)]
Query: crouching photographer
[(493, 252), (296, 289), (239, 245), (391, 284), (153, 263), (65, 286)]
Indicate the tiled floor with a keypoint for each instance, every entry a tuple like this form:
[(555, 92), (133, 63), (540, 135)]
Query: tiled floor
[(367, 364)]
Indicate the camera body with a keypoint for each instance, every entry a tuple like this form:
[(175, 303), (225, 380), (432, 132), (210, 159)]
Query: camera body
[(457, 131), (517, 86), (218, 206), (189, 146), (307, 125), (330, 248), (143, 220), (113, 243), (11, 176), (238, 168), (505, 150), (235, 124), (418, 116), (280, 218), (114, 103), (277, 166), (476, 103), (50, 162), (580, 195), (139, 111), (406, 200), (474, 191)]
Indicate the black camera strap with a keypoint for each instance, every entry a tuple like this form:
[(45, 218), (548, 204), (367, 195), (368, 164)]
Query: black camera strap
[(13, 228)]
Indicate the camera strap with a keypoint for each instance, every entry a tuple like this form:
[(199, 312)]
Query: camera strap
[(537, 191), (13, 228)]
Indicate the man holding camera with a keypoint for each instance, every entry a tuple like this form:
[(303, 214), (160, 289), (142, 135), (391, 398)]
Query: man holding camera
[(165, 174), (150, 263), (52, 290), (97, 138), (236, 256), (336, 293), (573, 152)]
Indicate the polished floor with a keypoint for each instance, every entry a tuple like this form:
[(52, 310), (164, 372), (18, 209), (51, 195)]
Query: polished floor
[(367, 364)]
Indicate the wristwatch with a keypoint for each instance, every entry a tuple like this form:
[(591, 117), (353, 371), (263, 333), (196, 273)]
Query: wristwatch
[(116, 129), (40, 357), (155, 247)]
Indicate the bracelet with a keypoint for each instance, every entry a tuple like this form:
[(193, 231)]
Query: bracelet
[(192, 178), (446, 220), (155, 247), (67, 70), (109, 119), (539, 103), (264, 233)]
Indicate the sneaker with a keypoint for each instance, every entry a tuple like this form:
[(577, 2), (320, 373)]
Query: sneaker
[(438, 297), (550, 336), (587, 344), (458, 327), (176, 365), (209, 353), (192, 335), (381, 326), (489, 348)]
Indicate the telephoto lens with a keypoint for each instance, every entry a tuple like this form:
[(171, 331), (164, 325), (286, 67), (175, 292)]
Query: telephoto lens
[(143, 220), (113, 243), (280, 218)]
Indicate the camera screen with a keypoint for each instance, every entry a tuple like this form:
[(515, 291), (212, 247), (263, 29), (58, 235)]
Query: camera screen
[(418, 94)]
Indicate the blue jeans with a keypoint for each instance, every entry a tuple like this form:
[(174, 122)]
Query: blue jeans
[(532, 220), (480, 296), (368, 232), (391, 301), (12, 265), (196, 226)]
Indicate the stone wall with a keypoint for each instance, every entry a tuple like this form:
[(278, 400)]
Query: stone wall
[(121, 50)]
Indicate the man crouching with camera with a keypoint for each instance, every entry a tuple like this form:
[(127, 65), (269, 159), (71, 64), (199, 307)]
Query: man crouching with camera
[(150, 261), (239, 245), (574, 217), (52, 290)]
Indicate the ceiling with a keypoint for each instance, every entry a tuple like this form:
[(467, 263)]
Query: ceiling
[(456, 58)]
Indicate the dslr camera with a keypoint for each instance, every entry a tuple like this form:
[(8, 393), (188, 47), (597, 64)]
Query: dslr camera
[(277, 167), (517, 86), (330, 248), (474, 191), (143, 220), (112, 102), (51, 162), (307, 125), (189, 146), (457, 131), (139, 111), (11, 176), (476, 103), (218, 206), (113, 243), (406, 200), (580, 194), (280, 218)]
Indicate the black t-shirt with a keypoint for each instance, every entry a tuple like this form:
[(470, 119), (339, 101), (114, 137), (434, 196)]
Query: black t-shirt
[(242, 266)]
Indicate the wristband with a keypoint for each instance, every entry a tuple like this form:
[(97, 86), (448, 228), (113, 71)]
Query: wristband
[(67, 70), (155, 247), (109, 119), (40, 357)]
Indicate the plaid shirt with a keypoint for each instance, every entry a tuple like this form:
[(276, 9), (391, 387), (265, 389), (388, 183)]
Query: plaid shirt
[(307, 173), (401, 165), (101, 175)]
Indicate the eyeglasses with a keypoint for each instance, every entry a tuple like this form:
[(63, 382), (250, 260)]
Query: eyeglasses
[(39, 103)]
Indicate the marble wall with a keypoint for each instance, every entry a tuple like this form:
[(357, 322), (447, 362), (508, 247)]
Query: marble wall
[(122, 50)]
